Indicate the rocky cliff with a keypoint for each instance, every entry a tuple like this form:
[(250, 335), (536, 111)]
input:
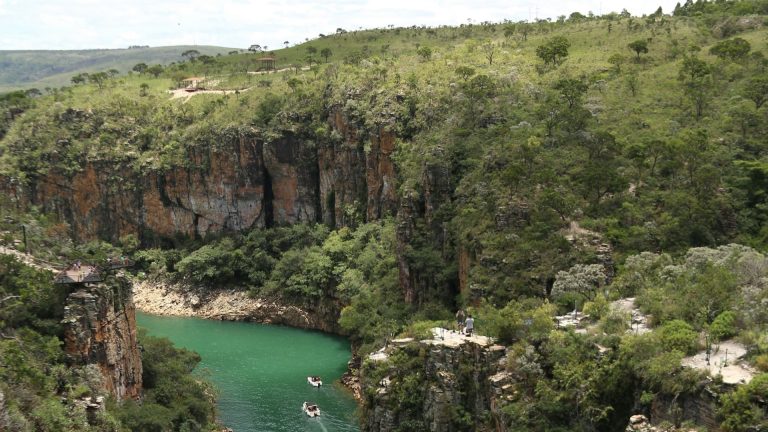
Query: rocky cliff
[(232, 180), (100, 329), (443, 384)]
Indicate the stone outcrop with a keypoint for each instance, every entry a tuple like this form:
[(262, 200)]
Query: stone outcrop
[(456, 374), (100, 329), (699, 408), (640, 423)]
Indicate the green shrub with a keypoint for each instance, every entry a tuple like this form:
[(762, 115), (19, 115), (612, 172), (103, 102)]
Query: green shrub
[(741, 409), (678, 335), (724, 326)]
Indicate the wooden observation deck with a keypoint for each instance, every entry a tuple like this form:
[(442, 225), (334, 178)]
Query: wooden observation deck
[(86, 273)]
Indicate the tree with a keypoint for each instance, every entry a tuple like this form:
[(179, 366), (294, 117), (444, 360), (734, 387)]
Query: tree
[(617, 60), (286, 43), (464, 72), (98, 78), (756, 90), (326, 52), (113, 73), (155, 70), (572, 90), (140, 68), (582, 280), (633, 83), (554, 50), (143, 89), (639, 46), (294, 83), (489, 49), (191, 54), (424, 52), (255, 48), (735, 49), (79, 78), (695, 75)]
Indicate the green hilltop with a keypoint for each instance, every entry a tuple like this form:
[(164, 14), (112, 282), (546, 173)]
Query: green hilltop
[(20, 69)]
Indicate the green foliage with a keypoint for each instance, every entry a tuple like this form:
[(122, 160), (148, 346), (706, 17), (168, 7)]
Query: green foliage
[(678, 336), (639, 46), (424, 52), (741, 409), (723, 326), (174, 400), (554, 51), (41, 389), (735, 49), (212, 263)]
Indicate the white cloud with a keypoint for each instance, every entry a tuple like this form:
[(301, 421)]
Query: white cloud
[(77, 24)]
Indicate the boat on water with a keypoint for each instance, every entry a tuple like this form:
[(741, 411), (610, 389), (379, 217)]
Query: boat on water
[(311, 409), (314, 381)]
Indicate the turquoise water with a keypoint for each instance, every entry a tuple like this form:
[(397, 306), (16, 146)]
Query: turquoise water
[(261, 372)]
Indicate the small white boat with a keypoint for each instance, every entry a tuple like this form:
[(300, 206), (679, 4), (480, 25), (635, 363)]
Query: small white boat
[(311, 409), (314, 381)]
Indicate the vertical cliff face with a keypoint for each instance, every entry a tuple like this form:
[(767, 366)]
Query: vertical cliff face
[(456, 380), (100, 329), (230, 181)]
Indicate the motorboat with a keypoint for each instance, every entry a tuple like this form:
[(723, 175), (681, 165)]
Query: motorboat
[(314, 381), (311, 409)]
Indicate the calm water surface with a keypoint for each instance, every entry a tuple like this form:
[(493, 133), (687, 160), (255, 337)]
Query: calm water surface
[(261, 372)]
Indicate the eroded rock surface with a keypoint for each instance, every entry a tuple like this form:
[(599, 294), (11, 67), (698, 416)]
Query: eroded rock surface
[(100, 329)]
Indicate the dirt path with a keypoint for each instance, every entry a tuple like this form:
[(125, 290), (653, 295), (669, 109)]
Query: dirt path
[(182, 93), (27, 259)]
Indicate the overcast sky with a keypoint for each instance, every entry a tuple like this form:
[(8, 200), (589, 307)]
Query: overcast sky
[(79, 24)]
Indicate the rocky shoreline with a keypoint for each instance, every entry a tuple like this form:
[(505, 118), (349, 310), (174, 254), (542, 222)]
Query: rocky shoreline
[(157, 297)]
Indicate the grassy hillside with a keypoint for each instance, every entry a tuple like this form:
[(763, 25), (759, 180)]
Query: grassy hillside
[(41, 69)]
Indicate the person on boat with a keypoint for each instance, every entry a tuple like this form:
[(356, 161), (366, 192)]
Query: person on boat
[(469, 326)]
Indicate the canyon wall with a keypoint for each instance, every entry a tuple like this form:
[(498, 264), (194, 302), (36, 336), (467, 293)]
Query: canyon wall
[(100, 329), (458, 380), (235, 181)]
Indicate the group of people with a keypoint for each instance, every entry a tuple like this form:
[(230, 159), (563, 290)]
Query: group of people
[(465, 325)]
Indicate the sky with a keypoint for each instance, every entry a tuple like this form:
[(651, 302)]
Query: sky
[(83, 24)]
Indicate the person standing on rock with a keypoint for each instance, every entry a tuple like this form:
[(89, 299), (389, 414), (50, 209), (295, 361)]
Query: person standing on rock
[(469, 326), (460, 320)]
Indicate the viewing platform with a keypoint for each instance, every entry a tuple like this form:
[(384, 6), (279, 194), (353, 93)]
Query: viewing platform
[(86, 273)]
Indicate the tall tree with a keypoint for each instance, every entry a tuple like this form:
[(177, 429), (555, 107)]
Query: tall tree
[(191, 54), (554, 50), (639, 46), (489, 49), (326, 52), (695, 75)]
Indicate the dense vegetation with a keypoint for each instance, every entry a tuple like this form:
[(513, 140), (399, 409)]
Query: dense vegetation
[(41, 392), (522, 148)]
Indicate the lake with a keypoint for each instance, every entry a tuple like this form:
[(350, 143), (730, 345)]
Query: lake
[(261, 372)]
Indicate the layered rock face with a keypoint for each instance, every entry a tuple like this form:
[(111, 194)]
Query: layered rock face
[(234, 181), (457, 378), (100, 329)]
